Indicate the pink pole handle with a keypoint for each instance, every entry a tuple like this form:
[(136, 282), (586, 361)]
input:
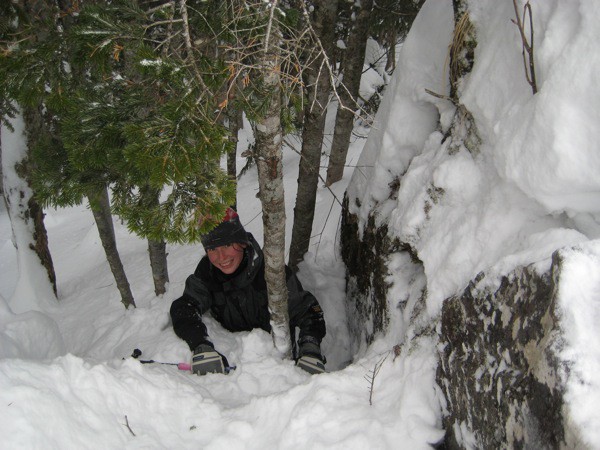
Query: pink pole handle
[(184, 366)]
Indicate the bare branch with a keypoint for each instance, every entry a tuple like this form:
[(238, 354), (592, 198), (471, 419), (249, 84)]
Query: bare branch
[(528, 59), (270, 24), (128, 427), (189, 46), (371, 378)]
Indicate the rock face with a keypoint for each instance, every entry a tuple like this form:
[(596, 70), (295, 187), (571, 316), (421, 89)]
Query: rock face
[(499, 368), (365, 276)]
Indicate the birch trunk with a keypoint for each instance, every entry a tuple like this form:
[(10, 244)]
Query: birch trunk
[(269, 142)]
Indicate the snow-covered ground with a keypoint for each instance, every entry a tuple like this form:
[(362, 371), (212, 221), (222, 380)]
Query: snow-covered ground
[(66, 376)]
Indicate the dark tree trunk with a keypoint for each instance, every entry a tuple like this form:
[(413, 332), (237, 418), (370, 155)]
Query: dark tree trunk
[(390, 64), (35, 127), (348, 93), (236, 123), (100, 205), (318, 90), (157, 250)]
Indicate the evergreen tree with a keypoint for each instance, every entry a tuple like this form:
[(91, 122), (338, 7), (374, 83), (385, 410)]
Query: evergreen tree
[(21, 204), (130, 112), (153, 104), (390, 22)]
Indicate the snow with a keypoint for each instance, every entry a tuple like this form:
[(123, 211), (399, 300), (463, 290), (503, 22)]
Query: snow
[(66, 376), (27, 296)]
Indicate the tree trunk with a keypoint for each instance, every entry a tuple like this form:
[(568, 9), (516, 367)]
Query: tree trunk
[(269, 140), (348, 93), (318, 90), (236, 123), (100, 205), (157, 250), (36, 127), (390, 64), (36, 282)]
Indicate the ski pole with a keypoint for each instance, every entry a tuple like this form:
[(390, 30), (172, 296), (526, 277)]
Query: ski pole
[(181, 365)]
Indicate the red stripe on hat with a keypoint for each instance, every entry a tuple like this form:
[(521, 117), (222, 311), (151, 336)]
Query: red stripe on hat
[(230, 214)]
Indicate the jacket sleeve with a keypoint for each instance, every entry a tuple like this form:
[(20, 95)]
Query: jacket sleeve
[(186, 313), (304, 311)]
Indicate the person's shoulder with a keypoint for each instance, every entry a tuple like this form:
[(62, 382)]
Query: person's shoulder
[(203, 269)]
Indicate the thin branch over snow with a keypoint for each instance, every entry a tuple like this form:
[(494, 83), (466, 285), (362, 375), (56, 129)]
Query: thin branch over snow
[(528, 60)]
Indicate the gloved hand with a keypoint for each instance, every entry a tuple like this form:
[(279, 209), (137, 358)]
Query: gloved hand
[(207, 360), (311, 359)]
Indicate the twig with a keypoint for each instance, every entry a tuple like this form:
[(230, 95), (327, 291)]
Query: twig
[(435, 94), (527, 45), (189, 46), (270, 25), (128, 427), (371, 378)]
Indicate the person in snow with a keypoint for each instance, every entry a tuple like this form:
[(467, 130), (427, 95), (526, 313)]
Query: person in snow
[(229, 282)]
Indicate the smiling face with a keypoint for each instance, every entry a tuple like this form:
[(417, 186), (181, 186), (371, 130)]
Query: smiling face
[(227, 258)]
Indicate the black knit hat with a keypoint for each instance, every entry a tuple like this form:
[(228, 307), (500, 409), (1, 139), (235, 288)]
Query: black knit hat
[(229, 231)]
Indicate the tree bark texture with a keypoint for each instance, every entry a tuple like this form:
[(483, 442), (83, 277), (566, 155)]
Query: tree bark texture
[(269, 140), (36, 281), (35, 127), (348, 93), (157, 250), (236, 123), (318, 90), (100, 205)]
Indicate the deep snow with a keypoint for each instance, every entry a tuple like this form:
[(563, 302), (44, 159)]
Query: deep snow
[(66, 378)]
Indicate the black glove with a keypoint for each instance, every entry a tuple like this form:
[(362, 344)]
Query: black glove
[(311, 359), (207, 360)]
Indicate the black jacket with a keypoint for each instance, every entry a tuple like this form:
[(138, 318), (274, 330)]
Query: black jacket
[(239, 301)]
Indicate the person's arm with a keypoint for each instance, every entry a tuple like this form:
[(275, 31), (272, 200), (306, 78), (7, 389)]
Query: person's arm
[(186, 313)]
